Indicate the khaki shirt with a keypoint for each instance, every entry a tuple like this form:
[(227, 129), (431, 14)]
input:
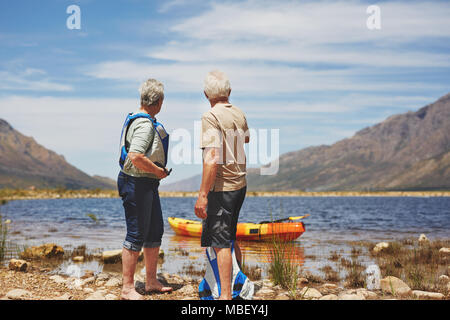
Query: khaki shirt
[(224, 126)]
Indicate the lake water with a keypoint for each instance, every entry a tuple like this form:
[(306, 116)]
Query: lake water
[(332, 223)]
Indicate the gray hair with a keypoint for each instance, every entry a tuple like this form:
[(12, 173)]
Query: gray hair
[(217, 85), (151, 92)]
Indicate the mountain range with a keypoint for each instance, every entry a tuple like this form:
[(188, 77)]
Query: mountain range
[(24, 163), (409, 151)]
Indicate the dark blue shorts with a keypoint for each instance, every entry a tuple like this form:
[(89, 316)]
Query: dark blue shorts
[(220, 226), (143, 214)]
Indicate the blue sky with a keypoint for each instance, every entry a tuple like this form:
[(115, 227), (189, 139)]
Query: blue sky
[(311, 69)]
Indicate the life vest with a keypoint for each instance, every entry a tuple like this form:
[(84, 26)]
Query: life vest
[(209, 289), (160, 141)]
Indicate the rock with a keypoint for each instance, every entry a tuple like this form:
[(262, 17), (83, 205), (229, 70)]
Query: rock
[(18, 265), (265, 291), (428, 295), (329, 297), (366, 293), (88, 274), (423, 239), (45, 251), (331, 286), (113, 282), (74, 284), (444, 251), (444, 279), (58, 279), (347, 296), (88, 281), (310, 293), (65, 296), (88, 290), (18, 294), (302, 281), (110, 296), (394, 286), (187, 290), (267, 283), (97, 295), (78, 259), (380, 247), (115, 256), (103, 276), (112, 256), (282, 296)]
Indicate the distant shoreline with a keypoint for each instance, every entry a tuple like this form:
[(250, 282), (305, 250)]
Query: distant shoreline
[(23, 194)]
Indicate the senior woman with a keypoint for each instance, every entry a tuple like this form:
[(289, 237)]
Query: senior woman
[(143, 159)]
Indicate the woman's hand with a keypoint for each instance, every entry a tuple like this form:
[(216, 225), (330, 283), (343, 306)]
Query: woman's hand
[(161, 173)]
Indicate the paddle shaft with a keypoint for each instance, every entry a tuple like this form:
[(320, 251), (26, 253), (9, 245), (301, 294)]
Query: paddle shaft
[(285, 219)]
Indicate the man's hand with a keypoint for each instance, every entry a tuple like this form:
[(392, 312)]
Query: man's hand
[(200, 207)]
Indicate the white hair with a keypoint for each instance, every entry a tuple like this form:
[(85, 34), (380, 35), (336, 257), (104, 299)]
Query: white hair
[(217, 85), (151, 92)]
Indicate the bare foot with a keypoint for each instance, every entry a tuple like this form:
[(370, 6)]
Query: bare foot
[(130, 294), (156, 286)]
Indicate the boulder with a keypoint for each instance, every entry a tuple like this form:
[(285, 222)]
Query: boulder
[(45, 251), (444, 278), (444, 251), (428, 295), (394, 286), (310, 293), (115, 256), (18, 294), (380, 247), (18, 265), (112, 256)]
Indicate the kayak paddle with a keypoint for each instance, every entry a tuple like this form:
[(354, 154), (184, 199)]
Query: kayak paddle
[(286, 219)]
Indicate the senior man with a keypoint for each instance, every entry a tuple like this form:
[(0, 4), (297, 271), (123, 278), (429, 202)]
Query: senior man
[(223, 186), (143, 159)]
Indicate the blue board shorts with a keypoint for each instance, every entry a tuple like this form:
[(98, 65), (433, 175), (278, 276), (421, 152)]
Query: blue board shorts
[(143, 214), (220, 226)]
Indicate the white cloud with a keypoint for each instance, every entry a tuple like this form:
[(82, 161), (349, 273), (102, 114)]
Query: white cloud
[(251, 78), (30, 79), (311, 32)]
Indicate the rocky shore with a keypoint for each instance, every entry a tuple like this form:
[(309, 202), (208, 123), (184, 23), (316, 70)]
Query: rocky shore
[(26, 279), (39, 284)]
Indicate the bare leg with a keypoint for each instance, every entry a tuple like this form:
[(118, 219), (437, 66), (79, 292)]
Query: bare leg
[(238, 253), (129, 261), (225, 264), (151, 264)]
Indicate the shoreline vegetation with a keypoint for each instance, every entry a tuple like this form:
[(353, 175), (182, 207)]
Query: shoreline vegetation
[(63, 193), (409, 270)]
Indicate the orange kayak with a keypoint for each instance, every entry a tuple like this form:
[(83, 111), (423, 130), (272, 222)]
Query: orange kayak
[(285, 231)]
